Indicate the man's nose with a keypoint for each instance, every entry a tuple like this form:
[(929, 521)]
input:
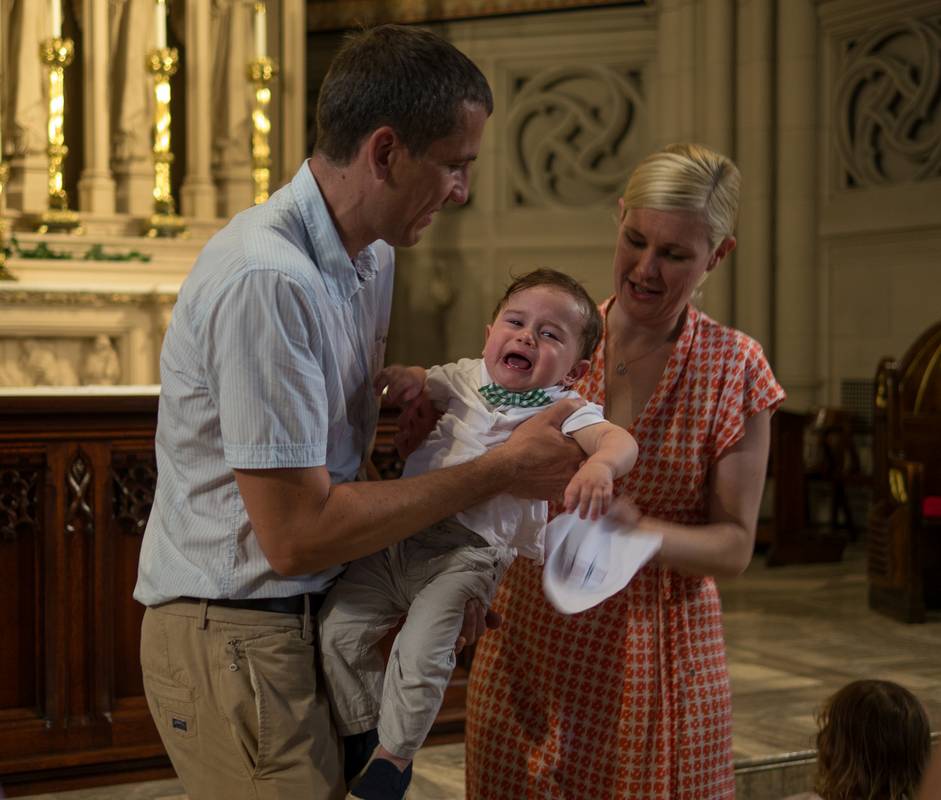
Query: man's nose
[(461, 189), (527, 336)]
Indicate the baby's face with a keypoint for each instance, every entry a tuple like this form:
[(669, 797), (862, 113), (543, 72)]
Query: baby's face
[(536, 340)]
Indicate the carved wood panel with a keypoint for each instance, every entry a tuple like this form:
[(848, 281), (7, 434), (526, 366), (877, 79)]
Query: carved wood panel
[(76, 485)]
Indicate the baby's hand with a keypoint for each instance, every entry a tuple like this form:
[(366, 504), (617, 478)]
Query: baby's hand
[(399, 385), (590, 491)]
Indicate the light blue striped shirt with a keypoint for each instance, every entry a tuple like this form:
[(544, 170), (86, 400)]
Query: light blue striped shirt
[(268, 362)]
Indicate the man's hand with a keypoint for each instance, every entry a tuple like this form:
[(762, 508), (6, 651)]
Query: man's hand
[(545, 458), (477, 620)]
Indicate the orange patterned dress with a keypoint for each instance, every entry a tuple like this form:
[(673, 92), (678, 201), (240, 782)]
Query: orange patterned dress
[(629, 699)]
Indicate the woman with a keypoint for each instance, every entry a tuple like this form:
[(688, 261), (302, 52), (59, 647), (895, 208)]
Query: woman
[(631, 698)]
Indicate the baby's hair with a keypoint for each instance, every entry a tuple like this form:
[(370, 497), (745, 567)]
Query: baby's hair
[(874, 742), (591, 329)]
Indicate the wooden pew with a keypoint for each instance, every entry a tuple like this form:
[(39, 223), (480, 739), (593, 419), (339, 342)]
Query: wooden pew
[(905, 524), (791, 534)]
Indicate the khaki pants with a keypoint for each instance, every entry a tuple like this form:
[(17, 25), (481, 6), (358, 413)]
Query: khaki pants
[(237, 700)]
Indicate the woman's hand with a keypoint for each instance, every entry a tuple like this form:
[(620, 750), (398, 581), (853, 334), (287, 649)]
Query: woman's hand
[(624, 512)]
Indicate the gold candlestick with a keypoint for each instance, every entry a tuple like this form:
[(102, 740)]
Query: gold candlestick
[(56, 53), (5, 274), (261, 71), (163, 62)]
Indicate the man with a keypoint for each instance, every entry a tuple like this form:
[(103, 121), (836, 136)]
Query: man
[(266, 413)]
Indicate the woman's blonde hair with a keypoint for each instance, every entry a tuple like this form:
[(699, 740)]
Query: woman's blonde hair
[(688, 177)]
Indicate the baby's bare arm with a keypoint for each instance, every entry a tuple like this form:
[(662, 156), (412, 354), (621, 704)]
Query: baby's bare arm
[(612, 452)]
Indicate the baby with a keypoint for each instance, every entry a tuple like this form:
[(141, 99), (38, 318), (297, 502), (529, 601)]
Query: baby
[(538, 344)]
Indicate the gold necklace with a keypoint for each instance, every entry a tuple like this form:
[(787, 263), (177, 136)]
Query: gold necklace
[(621, 367)]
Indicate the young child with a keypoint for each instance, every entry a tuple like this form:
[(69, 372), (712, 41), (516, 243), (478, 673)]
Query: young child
[(538, 344), (874, 742)]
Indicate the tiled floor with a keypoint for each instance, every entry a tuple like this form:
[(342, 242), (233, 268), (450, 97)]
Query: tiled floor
[(794, 635)]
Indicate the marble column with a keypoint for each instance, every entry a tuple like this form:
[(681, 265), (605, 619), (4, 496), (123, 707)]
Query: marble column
[(676, 73), (293, 86), (754, 138), (25, 145), (198, 193), (717, 43), (796, 277), (96, 188), (231, 117), (132, 116)]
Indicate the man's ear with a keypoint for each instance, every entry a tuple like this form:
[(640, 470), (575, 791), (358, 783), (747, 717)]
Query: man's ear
[(381, 149), (576, 373), (487, 329), (726, 246)]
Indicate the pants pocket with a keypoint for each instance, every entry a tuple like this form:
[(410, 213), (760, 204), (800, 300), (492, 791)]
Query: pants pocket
[(173, 707)]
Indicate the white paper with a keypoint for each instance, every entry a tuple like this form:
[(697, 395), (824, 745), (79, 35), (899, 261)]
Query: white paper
[(588, 561)]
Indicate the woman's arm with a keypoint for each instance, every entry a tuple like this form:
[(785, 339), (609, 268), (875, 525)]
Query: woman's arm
[(723, 546)]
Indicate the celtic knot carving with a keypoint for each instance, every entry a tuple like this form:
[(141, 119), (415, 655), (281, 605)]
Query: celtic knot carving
[(133, 486), (18, 502), (574, 133), (889, 99), (78, 481)]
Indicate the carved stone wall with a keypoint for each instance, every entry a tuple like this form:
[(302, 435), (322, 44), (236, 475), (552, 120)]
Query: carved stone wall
[(72, 320), (60, 337), (888, 103), (880, 230)]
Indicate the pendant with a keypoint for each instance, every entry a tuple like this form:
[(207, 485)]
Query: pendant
[(621, 368)]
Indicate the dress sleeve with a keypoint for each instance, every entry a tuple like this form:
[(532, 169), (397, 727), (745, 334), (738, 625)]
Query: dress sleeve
[(750, 388)]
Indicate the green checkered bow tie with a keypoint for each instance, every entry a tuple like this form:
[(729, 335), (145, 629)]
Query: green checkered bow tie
[(496, 395)]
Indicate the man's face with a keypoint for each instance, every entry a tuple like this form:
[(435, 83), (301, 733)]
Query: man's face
[(420, 186)]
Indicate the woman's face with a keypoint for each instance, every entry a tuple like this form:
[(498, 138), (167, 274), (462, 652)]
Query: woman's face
[(660, 259)]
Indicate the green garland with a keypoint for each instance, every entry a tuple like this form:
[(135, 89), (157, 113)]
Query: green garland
[(94, 253)]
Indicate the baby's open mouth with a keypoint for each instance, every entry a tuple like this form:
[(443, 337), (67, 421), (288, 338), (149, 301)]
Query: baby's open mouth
[(516, 361)]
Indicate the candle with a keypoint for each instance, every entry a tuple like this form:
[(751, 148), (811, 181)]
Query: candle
[(55, 9), (261, 33), (160, 24)]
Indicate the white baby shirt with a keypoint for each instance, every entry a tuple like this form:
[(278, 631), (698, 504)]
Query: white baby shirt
[(468, 428)]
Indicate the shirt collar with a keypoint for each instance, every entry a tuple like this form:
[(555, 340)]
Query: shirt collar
[(342, 277)]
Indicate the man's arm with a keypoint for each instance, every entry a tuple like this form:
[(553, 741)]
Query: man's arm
[(306, 524)]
